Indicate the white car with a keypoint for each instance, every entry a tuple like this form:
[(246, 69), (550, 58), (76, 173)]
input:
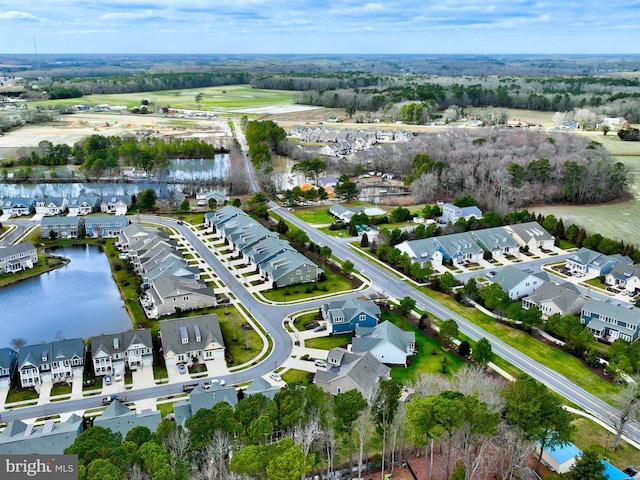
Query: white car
[(117, 376), (276, 377)]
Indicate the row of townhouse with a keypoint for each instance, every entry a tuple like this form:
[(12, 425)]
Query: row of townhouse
[(609, 321), (590, 262), (14, 258), (80, 205), (171, 284), (274, 259), (182, 339), (98, 226), (471, 246)]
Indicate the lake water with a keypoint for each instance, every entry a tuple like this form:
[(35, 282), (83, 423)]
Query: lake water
[(214, 170), (80, 299)]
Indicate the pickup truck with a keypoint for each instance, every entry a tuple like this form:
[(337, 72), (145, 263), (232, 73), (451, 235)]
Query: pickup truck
[(111, 398)]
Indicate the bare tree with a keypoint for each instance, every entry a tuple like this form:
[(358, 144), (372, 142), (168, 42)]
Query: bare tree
[(18, 342), (514, 451), (136, 473), (364, 427), (629, 406), (306, 433), (177, 443)]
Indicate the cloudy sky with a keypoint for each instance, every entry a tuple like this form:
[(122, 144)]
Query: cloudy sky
[(319, 26)]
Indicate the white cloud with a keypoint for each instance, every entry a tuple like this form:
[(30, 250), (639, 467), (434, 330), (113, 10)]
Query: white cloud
[(129, 15), (16, 15)]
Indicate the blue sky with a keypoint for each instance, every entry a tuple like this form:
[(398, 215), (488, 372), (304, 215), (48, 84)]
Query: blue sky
[(319, 26)]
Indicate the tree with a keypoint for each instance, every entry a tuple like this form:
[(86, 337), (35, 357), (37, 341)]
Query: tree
[(325, 253), (386, 406), (447, 282), (406, 305), (464, 348), (350, 110), (364, 427), (364, 241), (538, 413), (147, 199), (448, 329), (482, 353), (347, 408), (287, 461), (347, 267), (345, 190), (184, 206), (588, 467), (629, 407), (198, 99), (17, 342)]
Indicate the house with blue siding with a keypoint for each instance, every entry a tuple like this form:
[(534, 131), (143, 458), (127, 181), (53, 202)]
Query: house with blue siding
[(422, 251), (608, 321), (16, 207), (103, 226), (452, 213), (459, 248), (343, 316), (61, 227), (589, 262), (8, 363)]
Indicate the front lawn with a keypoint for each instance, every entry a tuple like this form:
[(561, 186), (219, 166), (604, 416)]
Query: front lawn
[(296, 376), (591, 436), (314, 215), (327, 343), (243, 344), (60, 389), (21, 395), (335, 283)]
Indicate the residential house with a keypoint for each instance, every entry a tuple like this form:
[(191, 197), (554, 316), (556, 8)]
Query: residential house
[(120, 419), (83, 205), (452, 213), (624, 277), (348, 371), (328, 181), (459, 248), (265, 250), (116, 204), (518, 283), (8, 363), (609, 322), (52, 438), (260, 386), (204, 398), (169, 294), (54, 362), (61, 227), (531, 235), (121, 351), (136, 234), (344, 213), (387, 342), (51, 206), (149, 252), (422, 251), (289, 268), (562, 458), (215, 219), (18, 206), (344, 316), (20, 256), (499, 241), (101, 226), (189, 338), (171, 265), (550, 299), (220, 198), (589, 262), (245, 232)]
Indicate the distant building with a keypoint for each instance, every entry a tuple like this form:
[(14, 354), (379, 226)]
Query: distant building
[(52, 438), (452, 213), (120, 419)]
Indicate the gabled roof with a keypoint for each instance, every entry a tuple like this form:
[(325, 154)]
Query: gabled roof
[(458, 243), (17, 202), (353, 306), (628, 315), (176, 267), (118, 418), (7, 357), (284, 263), (260, 386), (364, 370), (113, 199), (265, 249), (49, 201), (170, 286), (223, 215), (201, 398), (16, 249), (530, 230), (61, 221), (509, 277), (32, 355), (495, 238), (563, 453), (117, 220), (385, 332), (67, 349), (88, 200), (123, 340), (623, 271), (209, 328), (566, 296), (422, 249), (52, 438)]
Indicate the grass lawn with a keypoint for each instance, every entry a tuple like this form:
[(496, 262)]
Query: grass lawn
[(60, 389), (236, 338), (165, 408), (296, 376), (45, 264), (315, 215), (301, 320), (21, 396), (335, 283), (327, 343), (430, 356), (160, 372), (556, 359), (591, 436)]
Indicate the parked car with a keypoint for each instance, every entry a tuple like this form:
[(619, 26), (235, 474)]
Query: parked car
[(206, 385), (107, 379), (111, 398), (276, 377), (630, 471), (320, 363), (189, 387), (219, 381), (320, 328), (117, 376), (182, 368)]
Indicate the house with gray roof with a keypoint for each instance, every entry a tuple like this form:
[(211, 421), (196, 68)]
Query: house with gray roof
[(608, 321), (260, 386), (344, 316), (459, 248), (347, 371), (121, 351), (169, 294), (116, 204), (624, 277), (14, 258), (531, 235), (550, 299), (155, 257), (387, 342), (136, 234), (61, 227), (200, 397), (246, 233), (265, 250), (8, 364), (18, 206), (499, 241), (83, 205), (422, 251), (215, 219), (120, 419), (51, 206), (518, 283), (52, 438), (217, 196), (344, 213), (452, 213), (184, 339), (102, 226), (54, 362), (590, 262), (176, 267), (289, 268)]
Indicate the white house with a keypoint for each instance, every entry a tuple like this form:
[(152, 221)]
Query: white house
[(386, 342), (20, 256), (188, 338), (531, 235), (51, 206), (518, 283), (451, 213)]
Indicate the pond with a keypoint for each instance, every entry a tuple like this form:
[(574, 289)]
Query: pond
[(80, 299)]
